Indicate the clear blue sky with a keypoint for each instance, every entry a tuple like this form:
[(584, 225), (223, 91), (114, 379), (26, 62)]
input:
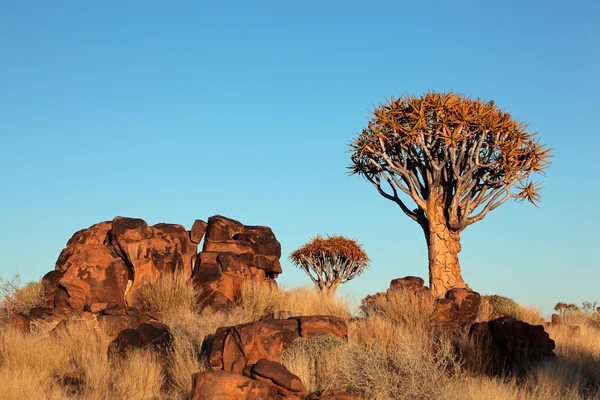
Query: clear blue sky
[(172, 111)]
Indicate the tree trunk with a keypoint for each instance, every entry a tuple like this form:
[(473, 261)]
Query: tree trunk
[(443, 245)]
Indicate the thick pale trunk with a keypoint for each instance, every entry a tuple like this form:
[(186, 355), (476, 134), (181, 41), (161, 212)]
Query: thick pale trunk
[(444, 246)]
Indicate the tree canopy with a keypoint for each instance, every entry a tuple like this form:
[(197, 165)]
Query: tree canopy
[(470, 154), (331, 260)]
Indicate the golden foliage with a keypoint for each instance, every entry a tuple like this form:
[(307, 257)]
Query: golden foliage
[(332, 247)]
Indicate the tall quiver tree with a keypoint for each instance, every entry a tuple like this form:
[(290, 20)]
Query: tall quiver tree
[(330, 261), (456, 159)]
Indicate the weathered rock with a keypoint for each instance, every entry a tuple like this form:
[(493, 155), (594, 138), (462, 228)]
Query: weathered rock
[(512, 345), (152, 334), (234, 348), (197, 231), (221, 228), (186, 246), (262, 239), (50, 283), (220, 277), (221, 385), (149, 251), (96, 234), (61, 298), (94, 274), (110, 261), (459, 305), (278, 376), (410, 284)]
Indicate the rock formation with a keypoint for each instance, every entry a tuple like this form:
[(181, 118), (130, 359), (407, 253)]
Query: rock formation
[(511, 345), (234, 348), (109, 261), (220, 385)]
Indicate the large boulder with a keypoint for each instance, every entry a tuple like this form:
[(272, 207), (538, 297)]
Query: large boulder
[(94, 274), (275, 374), (459, 305), (412, 284), (511, 345), (151, 251), (221, 385), (234, 255), (233, 348), (50, 283)]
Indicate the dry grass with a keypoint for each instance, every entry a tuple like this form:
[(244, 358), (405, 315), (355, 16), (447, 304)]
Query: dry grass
[(15, 298), (171, 293), (392, 353)]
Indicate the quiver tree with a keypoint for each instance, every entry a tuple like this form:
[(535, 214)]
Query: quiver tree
[(563, 308), (330, 261), (456, 159)]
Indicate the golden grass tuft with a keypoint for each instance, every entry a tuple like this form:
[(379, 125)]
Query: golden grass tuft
[(169, 293)]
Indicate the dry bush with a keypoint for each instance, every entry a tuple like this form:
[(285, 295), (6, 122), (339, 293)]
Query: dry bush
[(406, 370), (170, 293), (315, 360), (260, 300), (493, 306), (405, 308), (15, 298)]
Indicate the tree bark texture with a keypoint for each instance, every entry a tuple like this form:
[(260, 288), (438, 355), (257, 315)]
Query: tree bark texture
[(443, 245)]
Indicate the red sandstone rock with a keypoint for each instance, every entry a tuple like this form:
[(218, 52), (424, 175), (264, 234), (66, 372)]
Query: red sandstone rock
[(234, 348), (94, 274), (197, 231), (222, 385), (50, 284), (513, 345), (278, 376), (459, 305)]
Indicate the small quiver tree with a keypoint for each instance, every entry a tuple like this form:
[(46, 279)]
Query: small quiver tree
[(447, 160), (330, 261)]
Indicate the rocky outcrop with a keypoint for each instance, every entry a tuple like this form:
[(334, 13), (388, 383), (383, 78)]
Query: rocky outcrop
[(234, 348), (109, 261), (511, 345), (220, 385), (274, 374), (233, 255)]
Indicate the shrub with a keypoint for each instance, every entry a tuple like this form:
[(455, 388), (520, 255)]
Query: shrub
[(170, 293), (15, 298), (494, 306)]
